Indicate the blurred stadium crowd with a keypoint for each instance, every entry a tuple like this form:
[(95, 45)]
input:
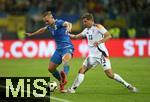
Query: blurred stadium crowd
[(123, 18)]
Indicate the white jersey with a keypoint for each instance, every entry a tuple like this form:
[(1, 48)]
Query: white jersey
[(93, 34)]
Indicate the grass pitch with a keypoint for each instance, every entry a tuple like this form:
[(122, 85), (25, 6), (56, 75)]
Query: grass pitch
[(96, 86)]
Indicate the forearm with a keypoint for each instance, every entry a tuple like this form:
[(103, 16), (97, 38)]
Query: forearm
[(42, 30), (72, 36), (105, 39), (78, 36), (107, 36)]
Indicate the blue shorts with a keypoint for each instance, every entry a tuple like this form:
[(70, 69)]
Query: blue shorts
[(59, 53)]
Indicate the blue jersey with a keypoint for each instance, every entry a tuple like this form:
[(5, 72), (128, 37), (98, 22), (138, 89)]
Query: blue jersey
[(60, 35)]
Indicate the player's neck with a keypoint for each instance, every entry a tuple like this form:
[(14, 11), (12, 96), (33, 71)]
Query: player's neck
[(53, 24), (90, 25)]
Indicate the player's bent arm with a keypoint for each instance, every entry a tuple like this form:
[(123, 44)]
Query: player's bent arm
[(68, 25), (78, 36), (107, 36), (39, 31)]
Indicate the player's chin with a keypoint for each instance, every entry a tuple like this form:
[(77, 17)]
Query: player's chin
[(86, 26), (46, 23)]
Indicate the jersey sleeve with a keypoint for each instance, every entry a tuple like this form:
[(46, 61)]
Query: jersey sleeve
[(101, 29), (83, 33), (46, 27)]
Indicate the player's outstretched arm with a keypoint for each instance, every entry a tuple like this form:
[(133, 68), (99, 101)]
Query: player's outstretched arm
[(39, 31), (78, 36)]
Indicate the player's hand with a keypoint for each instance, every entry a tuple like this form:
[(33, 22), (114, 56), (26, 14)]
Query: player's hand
[(69, 34), (28, 34), (72, 36), (97, 43)]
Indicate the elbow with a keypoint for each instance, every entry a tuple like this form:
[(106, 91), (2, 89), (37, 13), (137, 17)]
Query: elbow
[(107, 36), (110, 36)]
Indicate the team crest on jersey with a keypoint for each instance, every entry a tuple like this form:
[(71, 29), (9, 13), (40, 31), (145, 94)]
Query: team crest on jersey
[(93, 31), (55, 27)]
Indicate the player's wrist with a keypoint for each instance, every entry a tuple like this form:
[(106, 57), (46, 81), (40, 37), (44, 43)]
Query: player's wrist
[(73, 36), (100, 41), (34, 33)]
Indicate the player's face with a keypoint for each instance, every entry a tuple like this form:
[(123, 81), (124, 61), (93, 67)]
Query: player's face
[(87, 23), (48, 19)]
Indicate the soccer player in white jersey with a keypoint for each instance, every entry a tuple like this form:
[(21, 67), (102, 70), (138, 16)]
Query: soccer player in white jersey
[(96, 35)]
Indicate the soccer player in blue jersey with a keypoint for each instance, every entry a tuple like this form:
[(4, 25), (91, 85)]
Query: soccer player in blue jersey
[(59, 30)]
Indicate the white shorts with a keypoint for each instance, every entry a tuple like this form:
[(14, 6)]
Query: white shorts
[(90, 62)]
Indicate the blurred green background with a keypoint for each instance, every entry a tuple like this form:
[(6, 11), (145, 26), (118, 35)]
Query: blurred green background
[(124, 19)]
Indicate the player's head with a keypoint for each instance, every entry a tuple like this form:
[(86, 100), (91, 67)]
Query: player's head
[(87, 20), (48, 18)]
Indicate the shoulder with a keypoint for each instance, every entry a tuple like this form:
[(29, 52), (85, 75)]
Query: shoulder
[(84, 30), (59, 21), (99, 26)]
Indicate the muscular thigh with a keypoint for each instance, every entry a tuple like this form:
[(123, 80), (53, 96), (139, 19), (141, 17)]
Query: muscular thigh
[(67, 54), (56, 58), (90, 62), (52, 66)]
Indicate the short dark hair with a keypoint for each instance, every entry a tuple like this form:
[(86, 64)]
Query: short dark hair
[(47, 13), (88, 16)]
